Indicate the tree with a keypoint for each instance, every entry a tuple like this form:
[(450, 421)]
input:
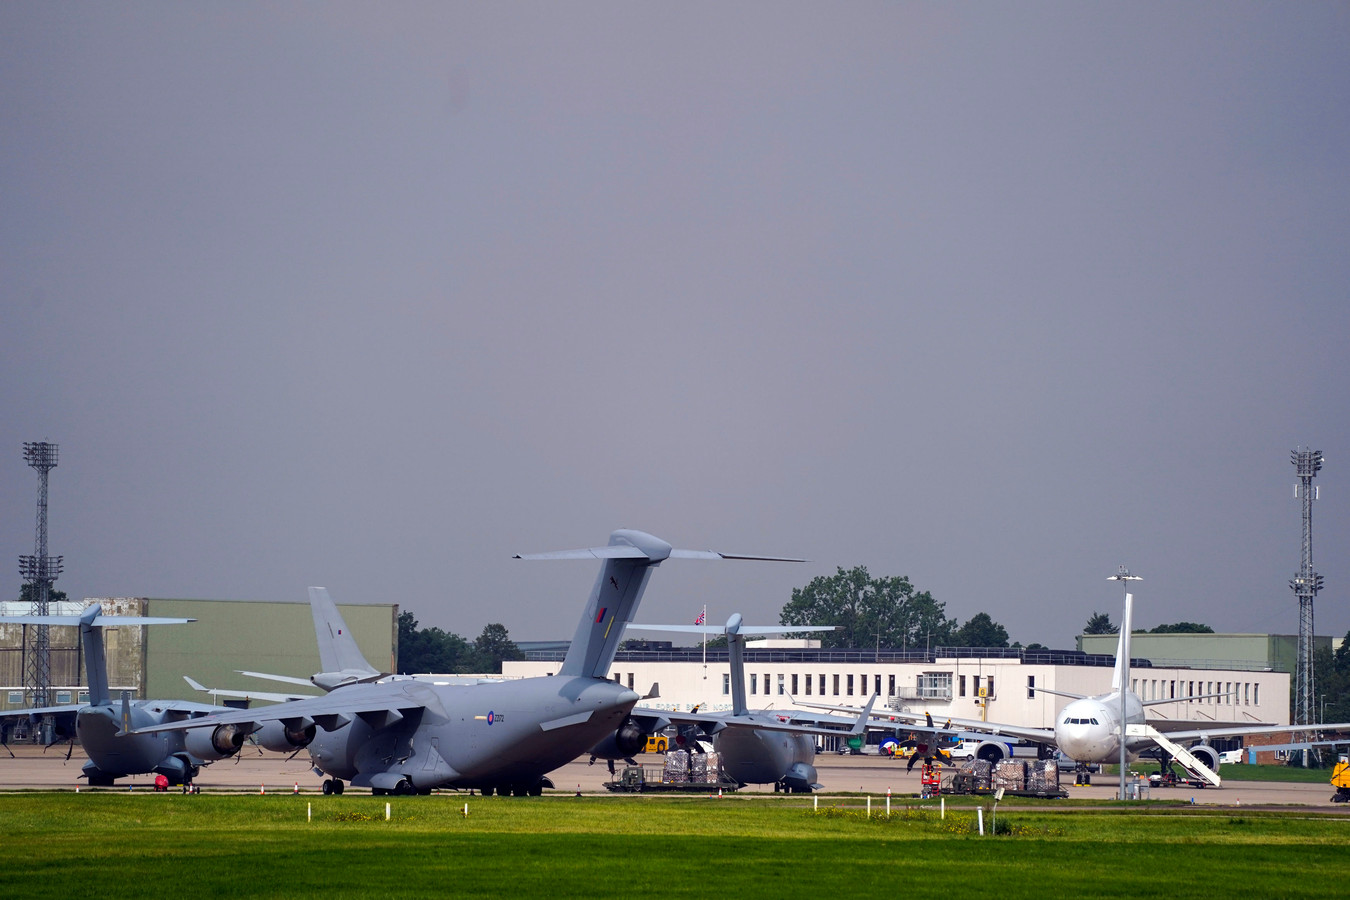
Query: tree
[(431, 649), (493, 646), (870, 611), (1100, 623), (980, 631), (1181, 628)]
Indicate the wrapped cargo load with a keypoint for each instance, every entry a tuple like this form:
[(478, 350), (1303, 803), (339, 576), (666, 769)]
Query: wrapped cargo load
[(712, 768), (1010, 774), (677, 767), (1043, 776), (698, 768)]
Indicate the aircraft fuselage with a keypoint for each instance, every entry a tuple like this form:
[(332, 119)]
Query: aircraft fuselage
[(1088, 730), (758, 756), (472, 736)]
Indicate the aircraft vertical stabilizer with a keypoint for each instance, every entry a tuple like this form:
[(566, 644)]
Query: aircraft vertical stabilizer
[(337, 648), (1122, 671), (95, 665), (628, 563)]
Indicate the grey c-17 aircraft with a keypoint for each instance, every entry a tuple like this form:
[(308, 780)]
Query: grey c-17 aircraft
[(761, 746), (409, 736), (107, 731)]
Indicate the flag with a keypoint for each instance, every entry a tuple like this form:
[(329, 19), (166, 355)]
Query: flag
[(702, 617)]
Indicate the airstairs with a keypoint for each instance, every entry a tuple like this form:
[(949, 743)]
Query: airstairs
[(1179, 753)]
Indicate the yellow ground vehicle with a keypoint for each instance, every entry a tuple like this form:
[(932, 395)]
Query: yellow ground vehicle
[(656, 743), (1340, 780)]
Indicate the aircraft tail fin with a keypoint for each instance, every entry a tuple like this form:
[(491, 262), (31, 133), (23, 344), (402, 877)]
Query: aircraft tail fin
[(338, 653), (626, 565), (1121, 675)]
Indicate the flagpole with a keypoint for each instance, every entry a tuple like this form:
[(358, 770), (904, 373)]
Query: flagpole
[(705, 641)]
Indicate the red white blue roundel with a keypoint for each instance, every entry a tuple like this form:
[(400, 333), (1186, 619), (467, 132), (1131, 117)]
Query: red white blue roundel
[(492, 716)]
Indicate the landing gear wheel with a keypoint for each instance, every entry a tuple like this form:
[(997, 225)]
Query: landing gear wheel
[(338, 785), (328, 787)]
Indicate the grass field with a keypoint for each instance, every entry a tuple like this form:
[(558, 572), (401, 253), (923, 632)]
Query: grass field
[(122, 845)]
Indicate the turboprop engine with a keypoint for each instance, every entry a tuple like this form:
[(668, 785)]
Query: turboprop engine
[(627, 740), (214, 742), (285, 736)]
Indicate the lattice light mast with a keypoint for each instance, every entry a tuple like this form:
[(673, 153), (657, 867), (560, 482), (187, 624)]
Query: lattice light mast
[(39, 571), (1305, 585)]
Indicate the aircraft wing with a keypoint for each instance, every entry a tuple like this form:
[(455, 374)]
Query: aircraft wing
[(919, 721), (1240, 730), (246, 695), (380, 705), (43, 710), (764, 720)]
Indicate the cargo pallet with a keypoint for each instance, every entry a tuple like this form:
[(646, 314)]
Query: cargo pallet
[(636, 780)]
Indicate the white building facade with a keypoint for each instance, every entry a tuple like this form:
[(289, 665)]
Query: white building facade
[(989, 688)]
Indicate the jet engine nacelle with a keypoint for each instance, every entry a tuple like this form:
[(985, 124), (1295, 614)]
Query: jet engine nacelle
[(285, 737), (214, 742), (627, 740), (1206, 754), (991, 751)]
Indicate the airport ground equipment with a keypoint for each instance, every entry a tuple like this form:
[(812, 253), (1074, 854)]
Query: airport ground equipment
[(1340, 780)]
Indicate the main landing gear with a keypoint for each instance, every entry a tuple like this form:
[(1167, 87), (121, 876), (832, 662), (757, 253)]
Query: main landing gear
[(333, 786)]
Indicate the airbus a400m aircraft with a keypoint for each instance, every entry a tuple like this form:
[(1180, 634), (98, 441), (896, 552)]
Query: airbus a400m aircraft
[(761, 746), (105, 729), (504, 737)]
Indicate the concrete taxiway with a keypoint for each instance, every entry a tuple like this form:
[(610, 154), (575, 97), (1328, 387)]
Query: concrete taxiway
[(32, 768)]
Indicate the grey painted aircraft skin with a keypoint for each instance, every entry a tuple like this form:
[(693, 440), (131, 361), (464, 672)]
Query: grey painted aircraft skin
[(760, 746), (103, 727), (410, 736)]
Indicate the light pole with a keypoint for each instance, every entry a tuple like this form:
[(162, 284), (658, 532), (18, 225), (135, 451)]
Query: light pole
[(1123, 575)]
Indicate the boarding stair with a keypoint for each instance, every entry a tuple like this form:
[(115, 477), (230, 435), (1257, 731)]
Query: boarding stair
[(1180, 754)]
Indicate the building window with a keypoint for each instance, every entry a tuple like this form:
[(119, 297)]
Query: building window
[(935, 686), (836, 685), (794, 684), (850, 685), (754, 683), (961, 680), (630, 681), (822, 684), (16, 696), (808, 679), (1031, 687), (1247, 694), (84, 697), (781, 689), (1256, 695), (891, 683), (990, 693), (63, 697), (726, 683)]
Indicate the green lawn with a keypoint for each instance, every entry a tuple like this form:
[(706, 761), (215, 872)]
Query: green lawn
[(121, 845)]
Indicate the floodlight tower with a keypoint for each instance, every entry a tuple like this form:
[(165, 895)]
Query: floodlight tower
[(1305, 585), (40, 570), (1126, 623)]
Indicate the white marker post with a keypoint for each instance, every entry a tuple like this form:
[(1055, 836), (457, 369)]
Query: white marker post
[(979, 814), (386, 813)]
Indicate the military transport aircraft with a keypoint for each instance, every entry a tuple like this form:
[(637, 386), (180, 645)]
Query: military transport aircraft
[(1088, 729), (760, 746), (410, 736), (106, 730)]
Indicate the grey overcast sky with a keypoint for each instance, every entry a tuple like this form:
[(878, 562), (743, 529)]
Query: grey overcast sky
[(372, 296)]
